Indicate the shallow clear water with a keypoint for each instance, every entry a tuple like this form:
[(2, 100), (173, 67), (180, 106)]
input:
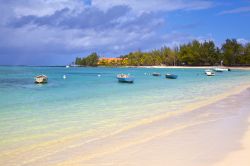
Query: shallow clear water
[(87, 104)]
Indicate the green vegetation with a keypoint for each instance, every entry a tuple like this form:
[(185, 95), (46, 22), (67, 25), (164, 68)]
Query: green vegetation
[(91, 60), (195, 53)]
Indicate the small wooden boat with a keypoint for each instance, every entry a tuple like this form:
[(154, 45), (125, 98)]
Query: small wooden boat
[(156, 74), (41, 79), (209, 73), (171, 76), (125, 78)]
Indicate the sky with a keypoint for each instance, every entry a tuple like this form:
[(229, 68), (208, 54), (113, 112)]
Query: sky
[(54, 32)]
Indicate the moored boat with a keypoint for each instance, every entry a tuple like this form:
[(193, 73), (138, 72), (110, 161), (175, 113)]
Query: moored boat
[(209, 73), (156, 74), (219, 69), (171, 76), (41, 79), (125, 78)]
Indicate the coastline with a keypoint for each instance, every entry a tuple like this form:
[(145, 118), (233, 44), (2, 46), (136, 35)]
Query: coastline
[(146, 140), (203, 143), (150, 67), (192, 67), (185, 136), (74, 149)]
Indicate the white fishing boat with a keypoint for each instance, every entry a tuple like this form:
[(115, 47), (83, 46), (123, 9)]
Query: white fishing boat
[(41, 79), (219, 69), (67, 66), (209, 73)]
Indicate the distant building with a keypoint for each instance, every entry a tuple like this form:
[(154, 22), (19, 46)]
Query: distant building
[(111, 61)]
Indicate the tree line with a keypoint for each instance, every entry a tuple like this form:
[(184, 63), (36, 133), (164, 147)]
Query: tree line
[(195, 53), (90, 60)]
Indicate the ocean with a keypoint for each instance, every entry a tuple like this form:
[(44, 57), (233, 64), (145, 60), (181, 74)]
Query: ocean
[(90, 103)]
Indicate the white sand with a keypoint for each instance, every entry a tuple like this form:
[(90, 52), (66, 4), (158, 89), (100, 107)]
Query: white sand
[(208, 135), (239, 157), (192, 67)]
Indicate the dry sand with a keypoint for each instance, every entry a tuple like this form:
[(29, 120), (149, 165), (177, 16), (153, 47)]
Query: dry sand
[(241, 156)]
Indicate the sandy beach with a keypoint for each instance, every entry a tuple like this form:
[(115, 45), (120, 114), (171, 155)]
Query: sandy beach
[(216, 133), (212, 130), (239, 156), (194, 67)]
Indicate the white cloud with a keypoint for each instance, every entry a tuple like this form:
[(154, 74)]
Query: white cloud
[(242, 41), (44, 7), (56, 40), (236, 10), (174, 39), (111, 27), (12, 9), (140, 6)]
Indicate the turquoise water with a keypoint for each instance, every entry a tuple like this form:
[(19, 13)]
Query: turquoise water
[(90, 105)]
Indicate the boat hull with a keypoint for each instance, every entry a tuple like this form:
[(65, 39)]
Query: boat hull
[(156, 74), (221, 69), (126, 80), (171, 76), (209, 73)]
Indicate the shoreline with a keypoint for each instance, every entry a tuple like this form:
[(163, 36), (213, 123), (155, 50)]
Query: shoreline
[(137, 133), (178, 67), (149, 67), (145, 135), (193, 67), (152, 132), (150, 149)]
